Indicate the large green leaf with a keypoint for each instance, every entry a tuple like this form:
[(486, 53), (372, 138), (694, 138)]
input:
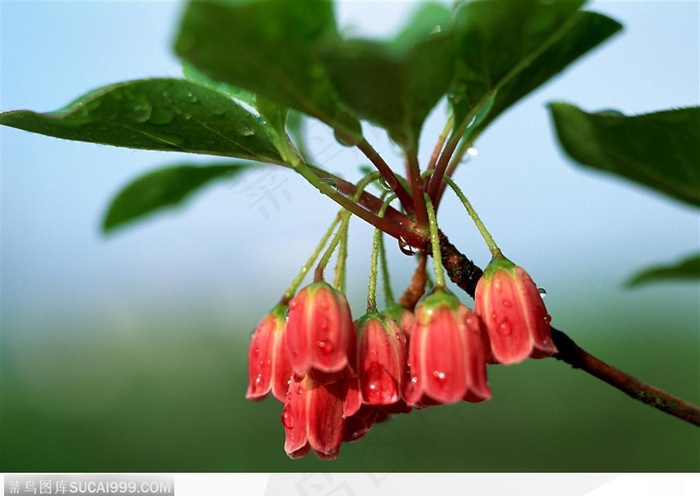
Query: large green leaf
[(268, 47), (687, 269), (428, 18), (507, 48), (156, 114), (660, 150), (394, 85), (164, 188)]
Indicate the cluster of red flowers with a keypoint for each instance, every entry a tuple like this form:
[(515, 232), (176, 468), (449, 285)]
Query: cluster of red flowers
[(337, 377)]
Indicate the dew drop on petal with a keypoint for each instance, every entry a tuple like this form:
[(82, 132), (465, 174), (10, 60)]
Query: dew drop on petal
[(547, 318), (507, 303), (505, 328), (288, 416), (325, 346), (542, 292)]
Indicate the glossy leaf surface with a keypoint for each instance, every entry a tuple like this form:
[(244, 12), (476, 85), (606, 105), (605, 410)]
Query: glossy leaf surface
[(660, 150), (268, 48), (506, 49), (156, 114)]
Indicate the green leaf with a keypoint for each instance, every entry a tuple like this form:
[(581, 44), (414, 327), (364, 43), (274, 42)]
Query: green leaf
[(428, 18), (164, 188), (395, 90), (273, 115), (156, 114), (193, 74), (688, 269), (660, 150), (268, 47), (509, 48)]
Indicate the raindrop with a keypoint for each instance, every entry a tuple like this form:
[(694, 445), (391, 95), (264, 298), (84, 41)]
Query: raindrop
[(547, 318), (288, 417), (331, 183), (388, 185), (379, 388), (325, 346), (406, 248), (245, 130), (507, 303), (504, 328), (142, 112), (542, 292), (439, 375), (610, 113), (192, 97)]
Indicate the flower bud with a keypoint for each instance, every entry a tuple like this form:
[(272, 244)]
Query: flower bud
[(313, 418), (319, 329), (269, 368), (515, 317), (381, 359), (446, 353)]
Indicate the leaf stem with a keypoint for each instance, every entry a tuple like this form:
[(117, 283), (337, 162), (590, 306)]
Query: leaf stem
[(292, 289), (495, 251), (342, 230), (435, 243), (387, 174), (374, 262), (417, 187), (388, 293)]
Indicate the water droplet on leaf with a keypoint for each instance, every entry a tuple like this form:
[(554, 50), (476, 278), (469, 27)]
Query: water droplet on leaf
[(245, 130), (142, 112)]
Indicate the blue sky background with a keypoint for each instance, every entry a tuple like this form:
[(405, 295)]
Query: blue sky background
[(230, 254)]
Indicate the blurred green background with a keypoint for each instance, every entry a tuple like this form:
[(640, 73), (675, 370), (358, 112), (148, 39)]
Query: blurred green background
[(129, 353)]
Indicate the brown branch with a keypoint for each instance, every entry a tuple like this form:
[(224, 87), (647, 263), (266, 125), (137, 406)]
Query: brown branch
[(578, 358), (466, 274), (415, 290)]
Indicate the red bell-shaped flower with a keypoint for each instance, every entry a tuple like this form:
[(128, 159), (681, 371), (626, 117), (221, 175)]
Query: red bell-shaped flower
[(319, 329), (313, 418), (269, 368), (446, 356), (381, 359), (510, 305)]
